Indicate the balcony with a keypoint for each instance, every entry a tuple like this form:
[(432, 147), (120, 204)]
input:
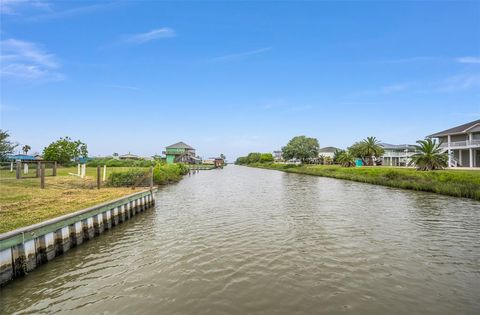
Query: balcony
[(459, 144)]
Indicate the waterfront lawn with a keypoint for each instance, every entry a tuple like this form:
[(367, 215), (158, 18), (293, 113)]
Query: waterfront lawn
[(457, 183), (23, 203)]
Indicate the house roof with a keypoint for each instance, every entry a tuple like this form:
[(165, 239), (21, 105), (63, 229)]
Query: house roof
[(129, 155), (328, 149), (23, 157), (180, 145), (456, 130), (396, 146)]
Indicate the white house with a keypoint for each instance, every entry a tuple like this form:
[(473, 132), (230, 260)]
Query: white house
[(462, 144), (327, 152), (397, 154)]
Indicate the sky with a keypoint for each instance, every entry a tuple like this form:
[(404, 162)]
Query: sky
[(235, 77)]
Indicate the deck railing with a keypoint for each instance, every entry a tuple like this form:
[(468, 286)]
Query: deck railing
[(465, 143)]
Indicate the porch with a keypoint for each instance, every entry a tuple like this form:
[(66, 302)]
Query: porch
[(464, 157)]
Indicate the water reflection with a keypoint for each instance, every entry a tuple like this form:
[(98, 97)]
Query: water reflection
[(244, 240)]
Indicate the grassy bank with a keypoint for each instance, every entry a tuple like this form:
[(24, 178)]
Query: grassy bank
[(457, 183), (23, 203)]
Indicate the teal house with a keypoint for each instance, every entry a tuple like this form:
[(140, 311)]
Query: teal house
[(181, 153)]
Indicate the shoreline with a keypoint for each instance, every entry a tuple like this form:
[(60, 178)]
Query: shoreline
[(24, 249), (461, 183)]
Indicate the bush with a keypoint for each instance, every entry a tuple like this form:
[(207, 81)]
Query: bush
[(168, 173), (266, 158), (255, 157), (120, 163), (127, 178), (241, 160)]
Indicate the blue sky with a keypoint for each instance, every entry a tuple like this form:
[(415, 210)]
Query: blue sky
[(236, 77)]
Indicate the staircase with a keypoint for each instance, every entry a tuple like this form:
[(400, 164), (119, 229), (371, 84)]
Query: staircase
[(454, 162)]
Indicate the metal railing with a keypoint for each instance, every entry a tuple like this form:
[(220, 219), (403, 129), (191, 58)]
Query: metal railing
[(465, 143)]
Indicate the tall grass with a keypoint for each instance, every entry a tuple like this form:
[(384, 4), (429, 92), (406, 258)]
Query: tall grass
[(168, 173), (457, 183), (162, 174)]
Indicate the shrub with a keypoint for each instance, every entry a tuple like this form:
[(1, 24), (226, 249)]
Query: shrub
[(255, 157), (120, 163), (168, 173), (127, 178)]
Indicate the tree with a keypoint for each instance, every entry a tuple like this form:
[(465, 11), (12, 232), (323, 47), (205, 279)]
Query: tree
[(336, 154), (254, 157), (6, 146), (346, 159), (64, 150), (266, 158), (26, 148), (301, 148), (223, 157), (367, 150), (242, 160), (327, 160), (430, 156), (372, 149)]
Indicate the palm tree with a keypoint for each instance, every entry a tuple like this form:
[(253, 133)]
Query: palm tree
[(430, 156), (371, 148), (346, 158), (26, 148)]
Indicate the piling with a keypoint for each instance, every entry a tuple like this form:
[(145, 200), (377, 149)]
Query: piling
[(98, 177), (42, 176), (18, 168), (22, 250)]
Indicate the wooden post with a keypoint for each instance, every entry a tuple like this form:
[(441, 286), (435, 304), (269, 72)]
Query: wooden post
[(78, 169), (151, 177), (11, 167), (19, 167), (55, 168), (104, 172), (98, 176), (42, 176), (37, 174), (25, 168)]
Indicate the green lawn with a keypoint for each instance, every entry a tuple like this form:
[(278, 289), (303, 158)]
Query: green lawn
[(23, 203), (457, 183)]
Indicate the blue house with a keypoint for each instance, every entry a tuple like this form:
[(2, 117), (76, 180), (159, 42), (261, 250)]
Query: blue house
[(23, 157)]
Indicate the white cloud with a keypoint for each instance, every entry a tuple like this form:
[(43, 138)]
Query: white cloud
[(411, 60), (12, 7), (8, 108), (394, 88), (241, 55), (459, 82), (470, 59), (141, 38), (123, 87), (25, 60), (72, 11)]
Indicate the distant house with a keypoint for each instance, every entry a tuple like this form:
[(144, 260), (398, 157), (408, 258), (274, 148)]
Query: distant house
[(24, 157), (396, 154), (277, 155), (129, 156), (158, 157), (327, 152), (215, 161), (83, 160), (181, 152), (462, 143)]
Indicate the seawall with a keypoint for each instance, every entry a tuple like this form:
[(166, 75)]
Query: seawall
[(22, 250)]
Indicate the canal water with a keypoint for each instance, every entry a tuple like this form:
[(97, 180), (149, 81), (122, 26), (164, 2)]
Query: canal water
[(251, 241)]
